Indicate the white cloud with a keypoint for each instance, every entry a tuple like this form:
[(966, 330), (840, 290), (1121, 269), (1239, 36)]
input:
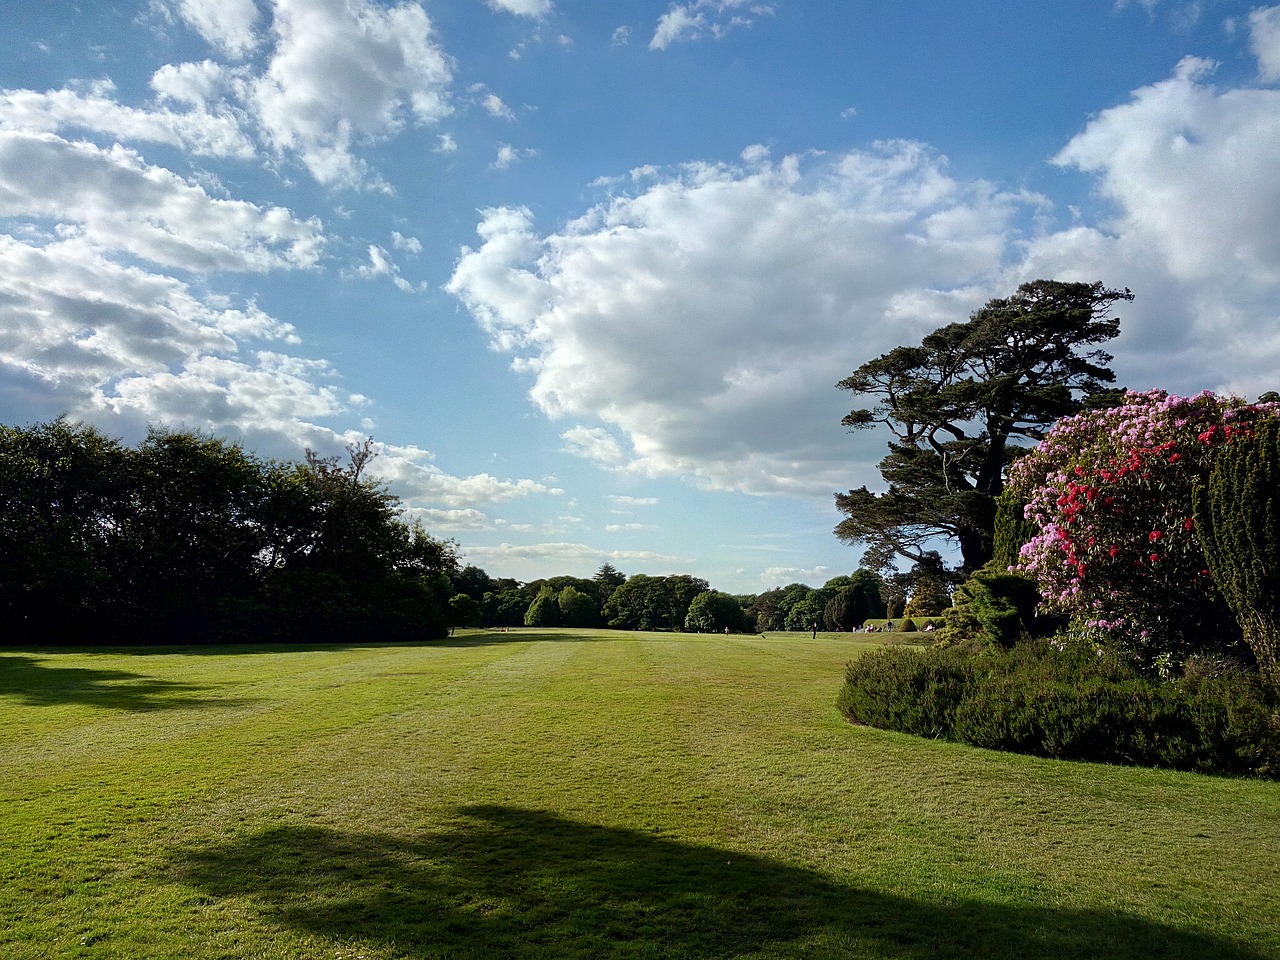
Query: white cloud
[(381, 265), (345, 72), (1264, 36), (508, 156), (627, 501), (678, 23), (621, 36), (691, 21), (216, 133), (707, 318), (451, 521), (494, 106), (401, 242), (594, 443), (1193, 174), (229, 25), (118, 202), (535, 9)]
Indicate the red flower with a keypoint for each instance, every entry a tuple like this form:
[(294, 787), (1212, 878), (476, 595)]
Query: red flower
[(1188, 524), (1154, 535)]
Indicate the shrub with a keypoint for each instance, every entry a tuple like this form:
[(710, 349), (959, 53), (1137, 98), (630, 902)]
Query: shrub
[(1237, 516), (906, 690), (994, 606), (1110, 492), (1071, 702), (908, 626)]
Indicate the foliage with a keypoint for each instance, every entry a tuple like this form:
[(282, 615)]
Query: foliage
[(846, 610), (653, 603), (189, 537), (714, 612), (906, 690), (463, 611), (1110, 493), (957, 403), (1012, 530), (1237, 514), (577, 609), (544, 611), (1069, 702), (506, 607), (995, 606), (929, 597)]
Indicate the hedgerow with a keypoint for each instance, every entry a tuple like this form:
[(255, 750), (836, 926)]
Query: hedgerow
[(1071, 702)]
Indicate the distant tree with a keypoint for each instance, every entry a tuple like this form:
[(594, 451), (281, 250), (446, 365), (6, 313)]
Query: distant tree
[(577, 609), (544, 611), (714, 612), (506, 607), (463, 612), (607, 579), (653, 603), (929, 597), (958, 403), (472, 581), (764, 606), (867, 583), (806, 611), (190, 538), (845, 611)]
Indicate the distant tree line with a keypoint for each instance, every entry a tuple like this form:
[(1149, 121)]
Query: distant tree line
[(681, 602), (190, 538)]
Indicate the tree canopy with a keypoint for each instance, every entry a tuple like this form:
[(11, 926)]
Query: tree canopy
[(957, 406), (191, 538)]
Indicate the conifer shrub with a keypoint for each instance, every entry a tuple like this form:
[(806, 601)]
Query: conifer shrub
[(908, 625), (1237, 518)]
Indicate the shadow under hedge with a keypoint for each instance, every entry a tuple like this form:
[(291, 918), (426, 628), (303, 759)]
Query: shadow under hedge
[(1071, 703)]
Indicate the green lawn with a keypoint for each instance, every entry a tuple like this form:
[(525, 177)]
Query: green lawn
[(580, 795)]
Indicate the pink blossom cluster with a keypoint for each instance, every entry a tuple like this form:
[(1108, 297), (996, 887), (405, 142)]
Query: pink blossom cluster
[(1111, 491)]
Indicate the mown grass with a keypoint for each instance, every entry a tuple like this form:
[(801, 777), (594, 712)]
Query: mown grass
[(571, 795)]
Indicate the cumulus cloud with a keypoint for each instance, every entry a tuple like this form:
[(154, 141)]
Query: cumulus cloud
[(229, 25), (691, 21), (381, 265), (1191, 173), (534, 9), (695, 321), (344, 72), (1264, 35), (119, 202), (707, 317), (207, 133), (494, 106), (509, 156)]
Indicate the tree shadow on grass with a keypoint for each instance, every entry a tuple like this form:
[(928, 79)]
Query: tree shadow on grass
[(32, 682), (521, 884)]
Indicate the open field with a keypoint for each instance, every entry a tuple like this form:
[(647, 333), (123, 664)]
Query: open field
[(572, 794)]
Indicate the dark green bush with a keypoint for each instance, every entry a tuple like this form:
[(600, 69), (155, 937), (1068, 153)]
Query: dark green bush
[(906, 690), (908, 626), (1070, 703)]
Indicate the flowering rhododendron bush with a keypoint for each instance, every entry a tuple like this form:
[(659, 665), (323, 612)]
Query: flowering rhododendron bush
[(1111, 494)]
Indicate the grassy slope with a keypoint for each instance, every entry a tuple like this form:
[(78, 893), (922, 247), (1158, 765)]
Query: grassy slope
[(576, 795)]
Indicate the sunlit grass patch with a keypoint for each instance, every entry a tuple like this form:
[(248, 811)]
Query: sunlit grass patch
[(578, 794)]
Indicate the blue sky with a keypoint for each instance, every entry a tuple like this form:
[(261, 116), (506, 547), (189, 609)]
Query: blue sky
[(588, 272)]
